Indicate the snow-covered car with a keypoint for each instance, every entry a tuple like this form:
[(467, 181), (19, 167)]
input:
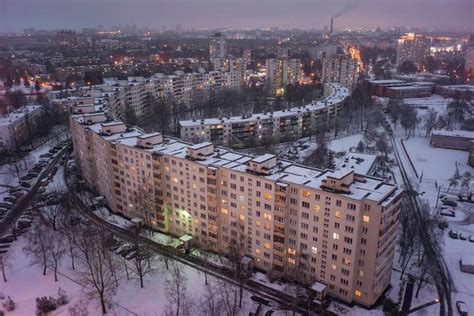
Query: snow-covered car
[(450, 203), (462, 236), (471, 238), (447, 212), (453, 234), (462, 308)]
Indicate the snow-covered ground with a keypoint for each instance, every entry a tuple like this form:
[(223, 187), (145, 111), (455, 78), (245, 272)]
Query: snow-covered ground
[(26, 283)]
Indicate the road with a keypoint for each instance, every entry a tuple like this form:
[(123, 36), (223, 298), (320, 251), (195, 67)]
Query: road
[(439, 270), (22, 204), (219, 272)]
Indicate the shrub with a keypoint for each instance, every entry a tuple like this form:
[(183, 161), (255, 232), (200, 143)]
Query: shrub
[(45, 305), (9, 304), (390, 307), (62, 297)]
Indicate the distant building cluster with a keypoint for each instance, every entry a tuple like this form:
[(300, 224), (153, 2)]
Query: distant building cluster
[(399, 89), (263, 127), (336, 228)]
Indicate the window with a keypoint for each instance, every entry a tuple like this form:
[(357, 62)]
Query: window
[(305, 204), (306, 194), (338, 214), (361, 273), (358, 293), (291, 251), (267, 196), (266, 245), (267, 216), (291, 260), (366, 218), (335, 236), (351, 206), (314, 250)]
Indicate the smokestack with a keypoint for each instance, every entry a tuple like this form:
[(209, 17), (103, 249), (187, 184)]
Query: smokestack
[(332, 24)]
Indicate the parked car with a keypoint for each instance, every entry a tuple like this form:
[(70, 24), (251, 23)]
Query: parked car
[(447, 213), (471, 238), (462, 236), (131, 255), (25, 184), (450, 203), (453, 234), (44, 182), (462, 308), (6, 239), (10, 198), (6, 204), (41, 190)]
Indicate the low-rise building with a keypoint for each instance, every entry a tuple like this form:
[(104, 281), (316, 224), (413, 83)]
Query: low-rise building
[(399, 89)]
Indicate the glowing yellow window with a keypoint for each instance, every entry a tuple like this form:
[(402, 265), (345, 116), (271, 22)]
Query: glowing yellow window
[(257, 251), (316, 208), (266, 245), (333, 267), (242, 217), (257, 223), (267, 216), (335, 236), (267, 196), (366, 218), (314, 250), (358, 293), (291, 251), (361, 273), (291, 260), (224, 211), (306, 194), (338, 214)]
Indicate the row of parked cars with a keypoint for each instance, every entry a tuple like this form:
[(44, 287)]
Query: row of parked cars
[(454, 234), (21, 226)]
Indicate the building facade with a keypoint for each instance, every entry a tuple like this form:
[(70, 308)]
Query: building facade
[(342, 69), (413, 47), (282, 72), (241, 131), (217, 46), (17, 127), (333, 227)]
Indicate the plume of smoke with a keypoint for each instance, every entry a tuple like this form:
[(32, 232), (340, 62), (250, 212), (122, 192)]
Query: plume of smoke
[(349, 5)]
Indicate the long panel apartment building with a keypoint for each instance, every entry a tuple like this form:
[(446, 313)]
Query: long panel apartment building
[(239, 131), (337, 228)]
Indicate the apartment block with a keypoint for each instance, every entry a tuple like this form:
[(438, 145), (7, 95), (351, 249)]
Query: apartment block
[(239, 131), (337, 228), (217, 46), (282, 72), (413, 47), (18, 126), (342, 69)]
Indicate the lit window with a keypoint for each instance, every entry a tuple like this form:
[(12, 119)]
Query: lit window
[(306, 194), (338, 214), (366, 218), (335, 236), (267, 216), (242, 217), (358, 293), (291, 260), (257, 251), (257, 223), (314, 250), (361, 273), (267, 196), (316, 208), (224, 211), (266, 245), (333, 267), (291, 251)]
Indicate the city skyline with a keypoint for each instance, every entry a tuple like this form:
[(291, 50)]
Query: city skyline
[(54, 14)]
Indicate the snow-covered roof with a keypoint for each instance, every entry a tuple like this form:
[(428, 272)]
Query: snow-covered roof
[(283, 172), (358, 162), (17, 115), (455, 133)]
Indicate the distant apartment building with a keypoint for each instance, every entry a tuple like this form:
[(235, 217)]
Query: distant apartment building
[(235, 69), (342, 69), (249, 55), (323, 51), (17, 127), (413, 47), (282, 72), (469, 66), (217, 46), (336, 228), (242, 131)]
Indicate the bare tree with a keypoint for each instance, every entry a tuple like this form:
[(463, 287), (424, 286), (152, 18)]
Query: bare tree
[(96, 274), (236, 253), (39, 238), (70, 227), (4, 263), (430, 119), (52, 212), (229, 295), (176, 290), (56, 251), (212, 304), (143, 257)]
